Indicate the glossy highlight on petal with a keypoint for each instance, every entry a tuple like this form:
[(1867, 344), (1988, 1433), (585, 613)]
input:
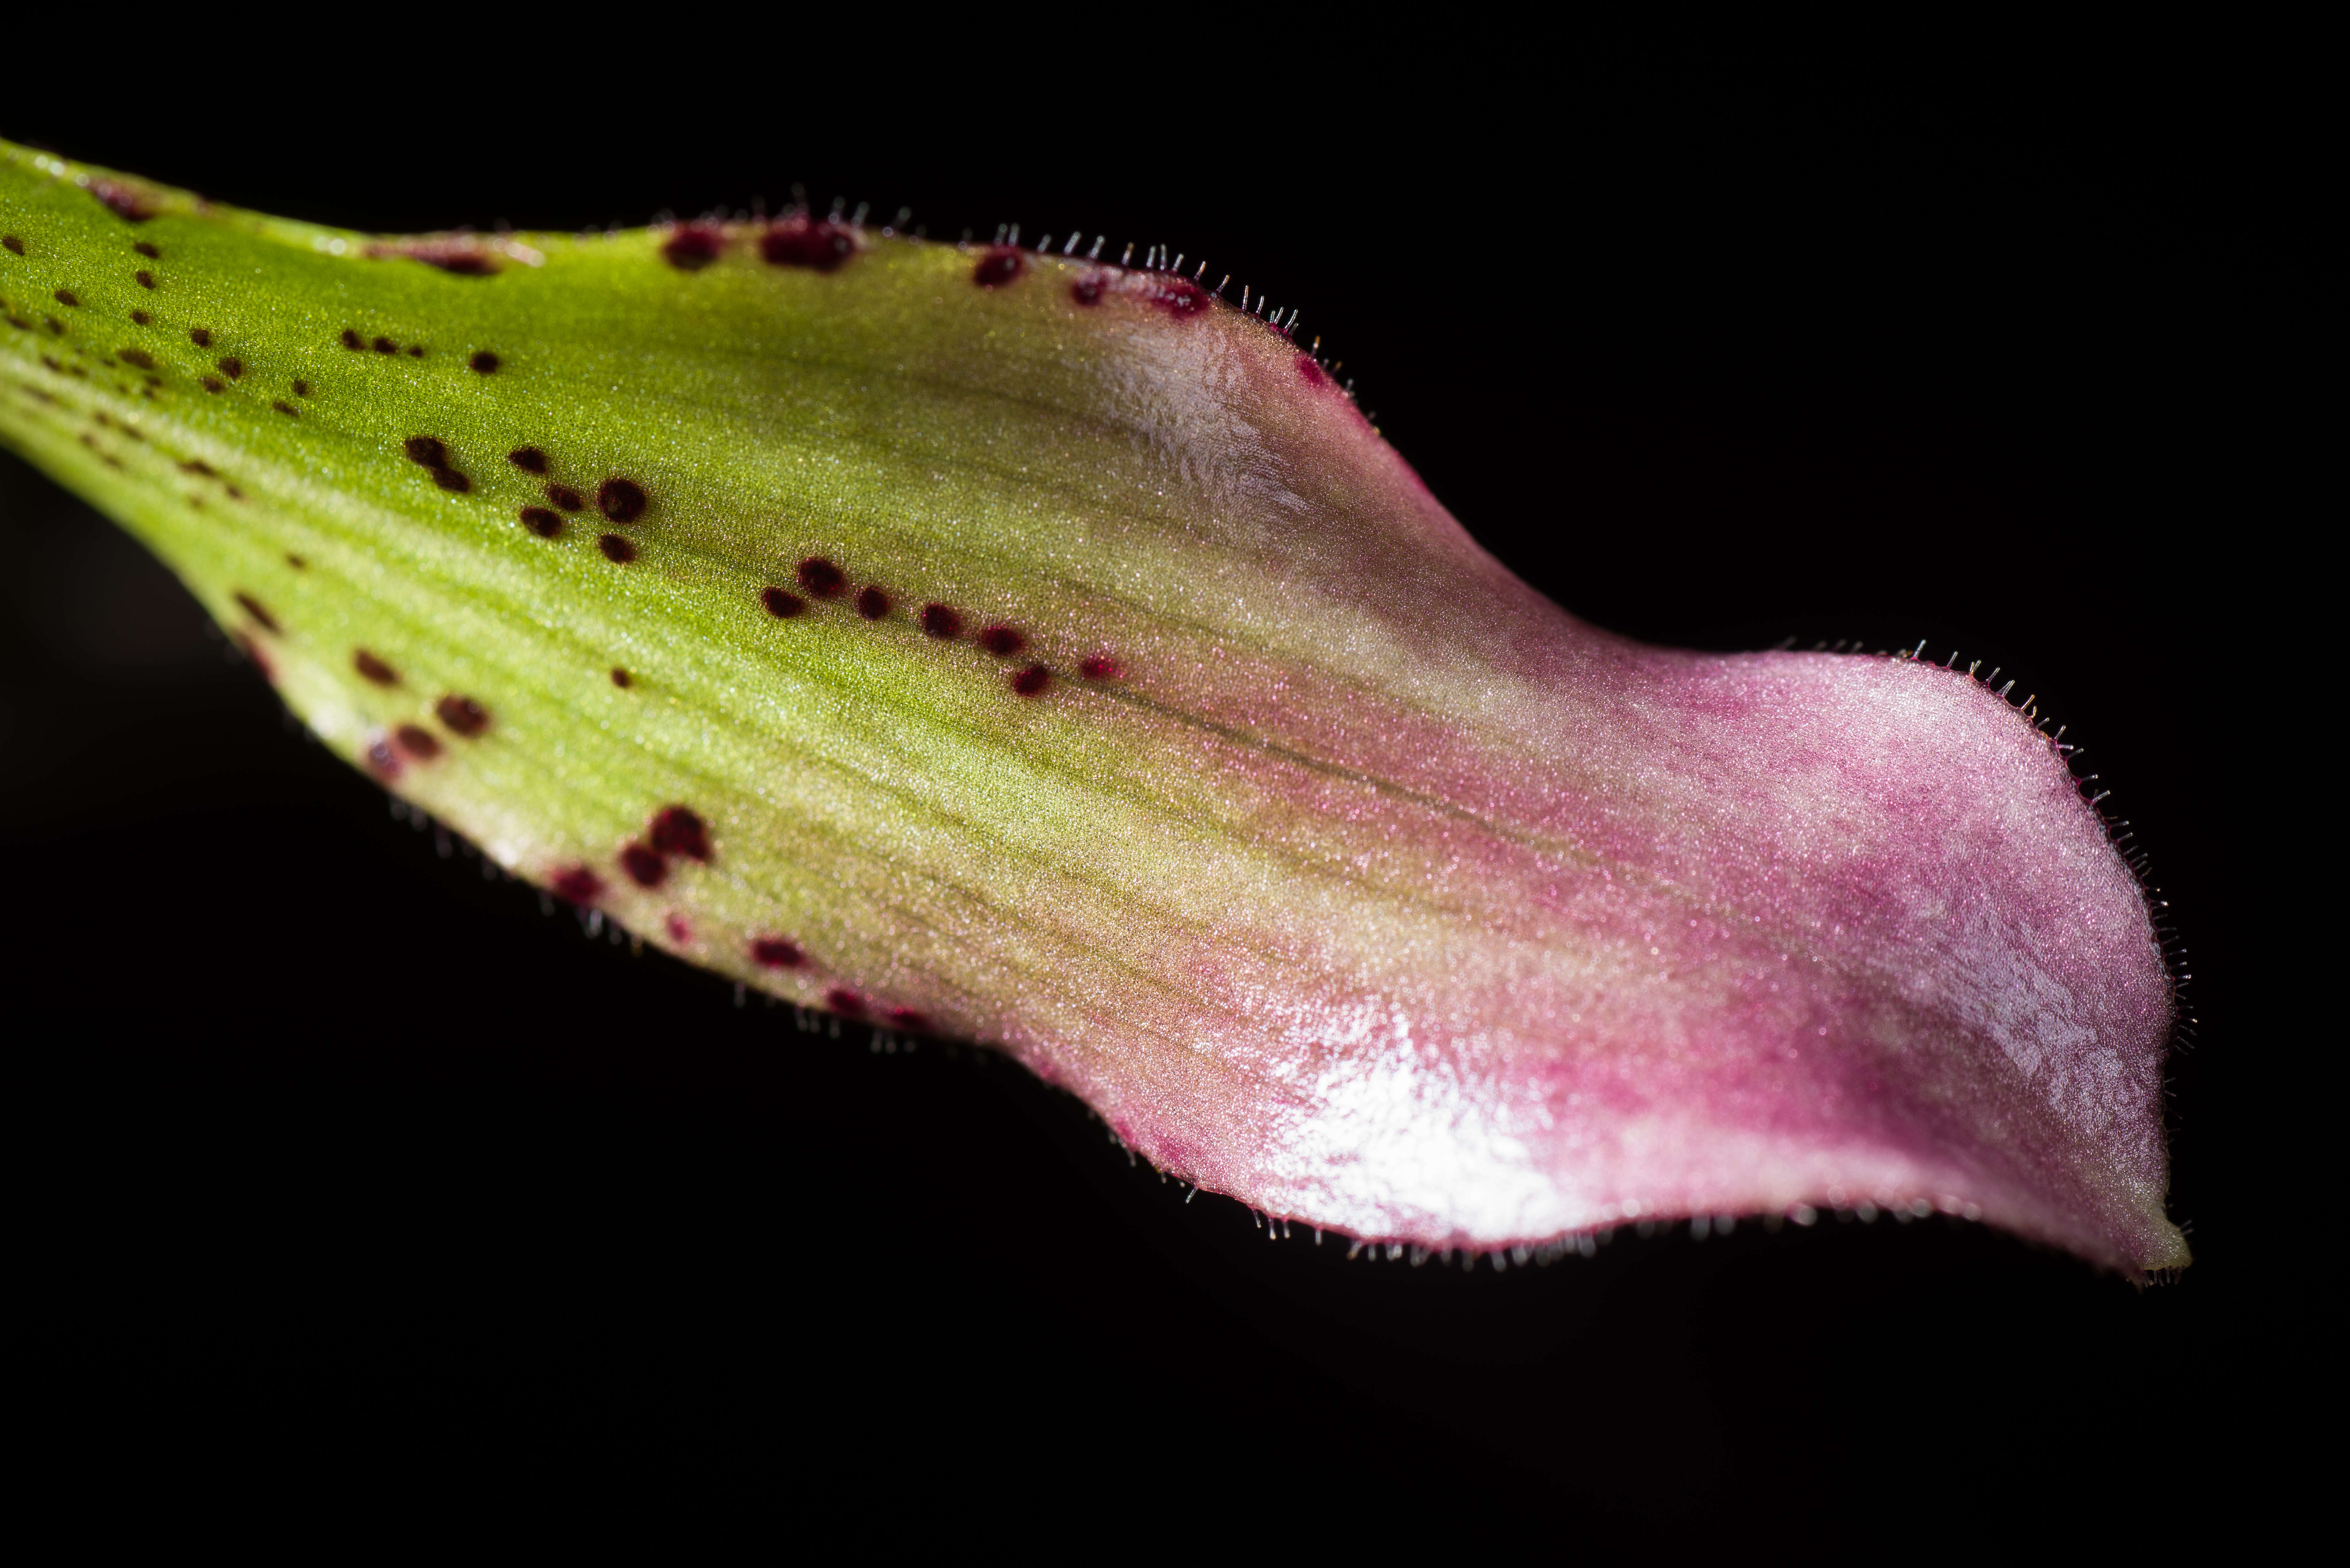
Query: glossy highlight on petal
[(1055, 657)]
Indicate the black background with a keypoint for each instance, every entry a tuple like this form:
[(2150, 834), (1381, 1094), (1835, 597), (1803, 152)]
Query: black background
[(329, 1153)]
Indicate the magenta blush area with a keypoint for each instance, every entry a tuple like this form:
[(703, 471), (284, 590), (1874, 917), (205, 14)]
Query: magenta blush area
[(1555, 929), (1775, 933)]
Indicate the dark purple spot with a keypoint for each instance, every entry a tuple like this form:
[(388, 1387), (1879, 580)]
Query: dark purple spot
[(211, 383), (563, 495), (775, 952), (1002, 641), (1311, 373), (621, 500), (301, 389), (253, 607), (430, 451), (621, 677), (999, 266), (693, 247), (291, 413), (780, 604), (678, 931), (149, 250), (579, 885), (350, 339), (819, 247), (140, 319), (1099, 667), (446, 478), (374, 669), (644, 867), (382, 759), (232, 368), (544, 522), (908, 1018), (1031, 681), (1179, 298), (617, 550), (12, 242), (942, 622), (146, 279), (1088, 290), (198, 465), (139, 357), (418, 742), (822, 578), (66, 296), (843, 1001), (415, 351), (529, 459), (484, 361), (463, 714), (872, 603), (122, 200), (386, 346), (297, 562), (679, 830)]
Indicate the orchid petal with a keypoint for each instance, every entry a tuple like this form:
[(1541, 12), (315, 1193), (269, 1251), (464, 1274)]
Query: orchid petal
[(1048, 654)]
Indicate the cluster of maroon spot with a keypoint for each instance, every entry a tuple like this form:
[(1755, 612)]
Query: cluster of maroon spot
[(818, 244), (431, 453), (782, 952), (823, 579), (1179, 297), (461, 715), (353, 341), (1170, 291), (482, 360), (229, 366), (623, 501), (676, 832)]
